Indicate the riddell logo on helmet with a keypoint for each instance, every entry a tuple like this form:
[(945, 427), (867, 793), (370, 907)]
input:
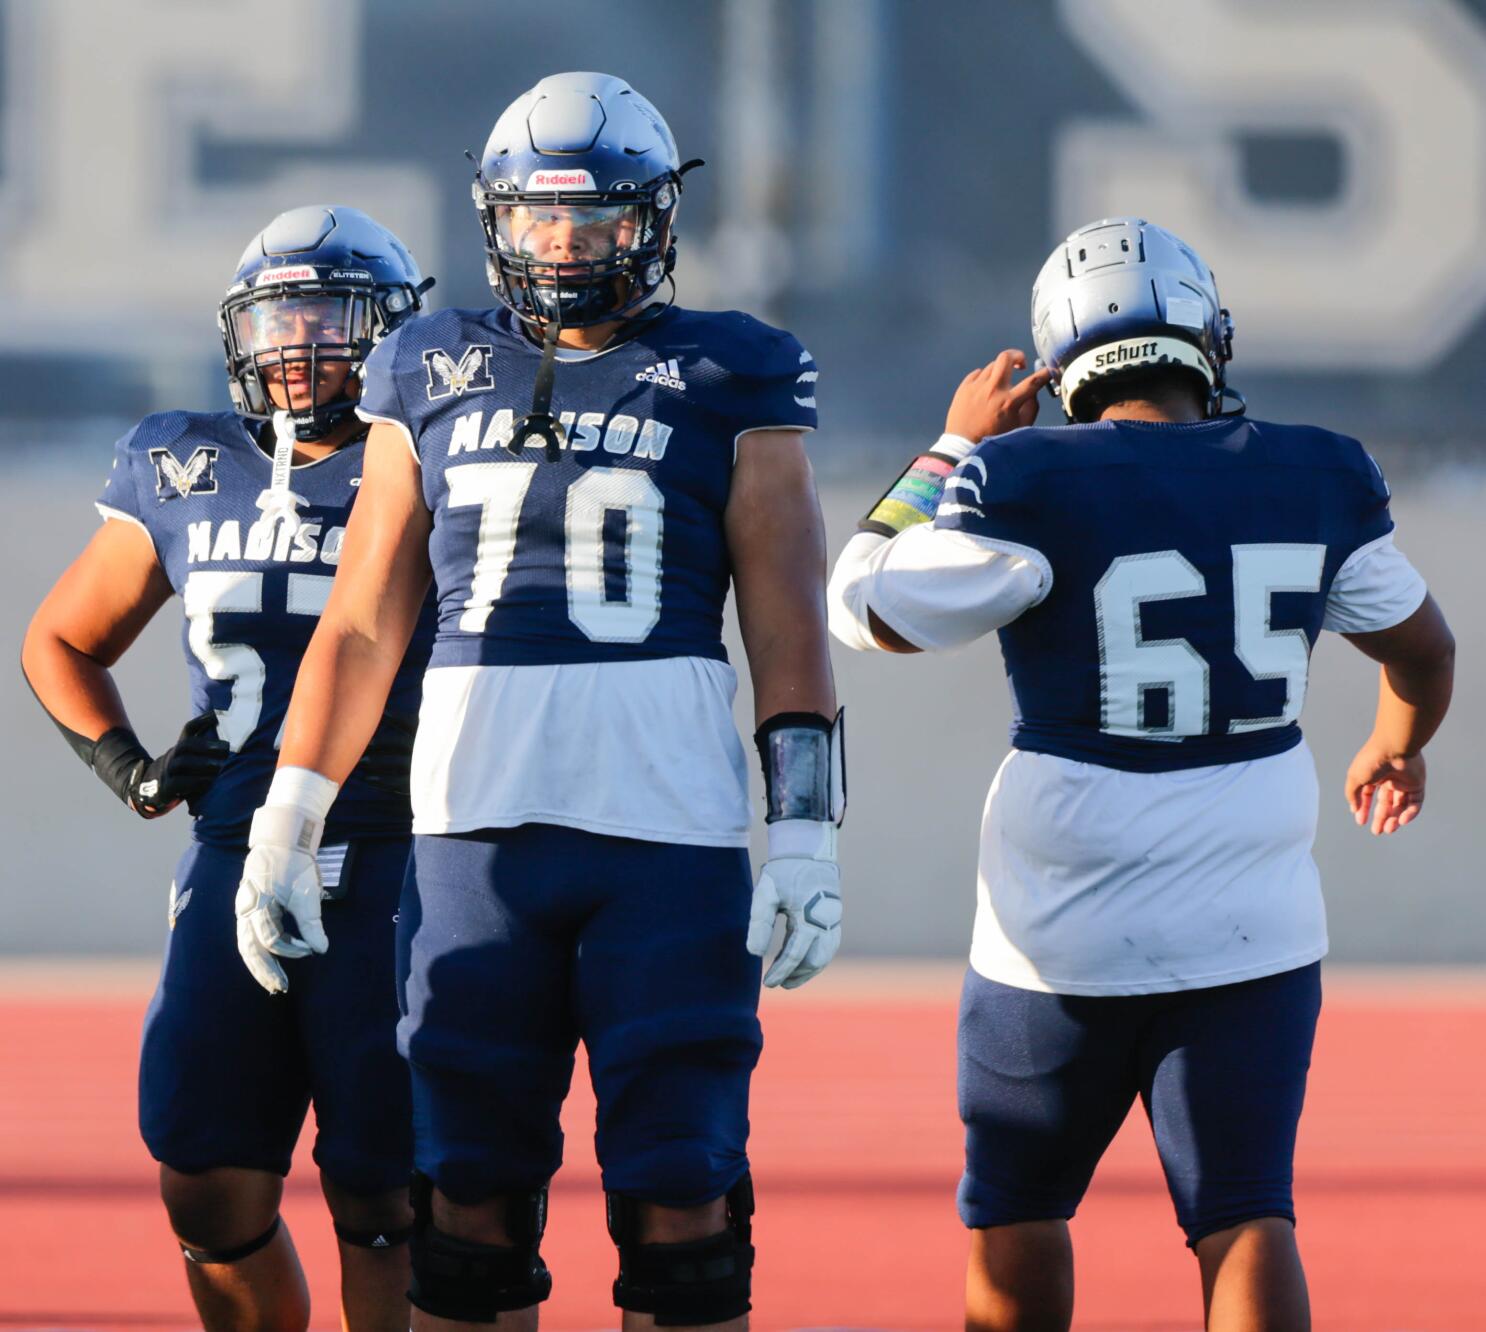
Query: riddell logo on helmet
[(299, 273), (1125, 351), (560, 180)]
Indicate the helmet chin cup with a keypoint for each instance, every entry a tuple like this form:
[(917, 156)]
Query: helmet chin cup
[(539, 425), (313, 425)]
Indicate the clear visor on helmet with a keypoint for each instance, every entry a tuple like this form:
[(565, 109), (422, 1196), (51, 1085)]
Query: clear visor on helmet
[(303, 346), (568, 233), (275, 322)]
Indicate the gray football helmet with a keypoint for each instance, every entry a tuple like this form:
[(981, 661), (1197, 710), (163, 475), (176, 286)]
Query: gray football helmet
[(1122, 295)]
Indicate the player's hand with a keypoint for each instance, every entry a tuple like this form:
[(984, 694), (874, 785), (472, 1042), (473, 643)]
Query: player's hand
[(155, 786), (987, 403), (801, 882), (1387, 787), (280, 875)]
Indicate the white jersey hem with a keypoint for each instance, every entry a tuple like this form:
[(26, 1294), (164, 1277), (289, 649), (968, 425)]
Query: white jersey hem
[(674, 836), (1167, 985)]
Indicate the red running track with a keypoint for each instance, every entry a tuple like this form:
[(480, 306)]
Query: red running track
[(856, 1157)]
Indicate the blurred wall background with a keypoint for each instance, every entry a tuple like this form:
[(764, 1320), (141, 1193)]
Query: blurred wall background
[(884, 177)]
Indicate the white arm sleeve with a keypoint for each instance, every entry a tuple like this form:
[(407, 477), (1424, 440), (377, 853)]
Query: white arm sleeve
[(1374, 589), (938, 589)]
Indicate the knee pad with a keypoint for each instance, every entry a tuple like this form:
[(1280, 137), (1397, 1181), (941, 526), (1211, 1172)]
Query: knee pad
[(696, 1282), (467, 1282), (233, 1255)]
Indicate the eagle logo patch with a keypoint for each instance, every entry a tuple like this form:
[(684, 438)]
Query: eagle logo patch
[(450, 378), (196, 476), (179, 901)]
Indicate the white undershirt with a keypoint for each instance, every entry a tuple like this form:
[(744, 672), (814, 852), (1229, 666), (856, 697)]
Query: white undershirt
[(644, 749), (1102, 882)]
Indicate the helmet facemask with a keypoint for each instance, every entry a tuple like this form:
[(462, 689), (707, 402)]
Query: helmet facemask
[(575, 260), (299, 347)]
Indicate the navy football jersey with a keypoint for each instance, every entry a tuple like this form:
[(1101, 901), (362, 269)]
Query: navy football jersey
[(615, 551), (253, 591), (1191, 565)]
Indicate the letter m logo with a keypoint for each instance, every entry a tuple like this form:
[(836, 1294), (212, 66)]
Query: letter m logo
[(450, 378)]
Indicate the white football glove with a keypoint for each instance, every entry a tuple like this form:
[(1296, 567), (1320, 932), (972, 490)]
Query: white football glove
[(801, 882), (280, 874)]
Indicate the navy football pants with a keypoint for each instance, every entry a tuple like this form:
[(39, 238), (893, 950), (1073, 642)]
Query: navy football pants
[(515, 943), (1047, 1079), (227, 1070)]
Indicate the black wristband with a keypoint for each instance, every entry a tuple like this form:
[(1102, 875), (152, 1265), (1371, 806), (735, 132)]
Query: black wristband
[(117, 759)]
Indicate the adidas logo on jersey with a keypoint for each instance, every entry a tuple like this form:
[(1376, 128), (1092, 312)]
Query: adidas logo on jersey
[(665, 373)]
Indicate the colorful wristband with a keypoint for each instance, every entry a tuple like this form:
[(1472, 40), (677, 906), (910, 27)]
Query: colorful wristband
[(914, 497)]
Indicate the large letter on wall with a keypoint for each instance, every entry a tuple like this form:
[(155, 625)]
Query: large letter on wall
[(1388, 274), (109, 110)]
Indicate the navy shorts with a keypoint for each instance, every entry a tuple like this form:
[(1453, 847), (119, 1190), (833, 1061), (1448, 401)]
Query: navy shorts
[(515, 943), (1047, 1079), (227, 1070)]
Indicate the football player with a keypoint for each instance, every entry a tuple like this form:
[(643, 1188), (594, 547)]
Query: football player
[(582, 470), (1150, 919), (243, 514)]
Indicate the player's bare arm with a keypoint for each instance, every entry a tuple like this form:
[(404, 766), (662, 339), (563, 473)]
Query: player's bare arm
[(776, 538), (96, 609), (342, 685), (339, 697), (87, 622), (1386, 779)]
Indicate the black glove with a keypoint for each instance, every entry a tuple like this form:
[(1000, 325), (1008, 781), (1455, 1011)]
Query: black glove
[(152, 787), (389, 755)]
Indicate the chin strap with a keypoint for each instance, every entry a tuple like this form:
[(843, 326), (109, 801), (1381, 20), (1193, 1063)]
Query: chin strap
[(540, 421)]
